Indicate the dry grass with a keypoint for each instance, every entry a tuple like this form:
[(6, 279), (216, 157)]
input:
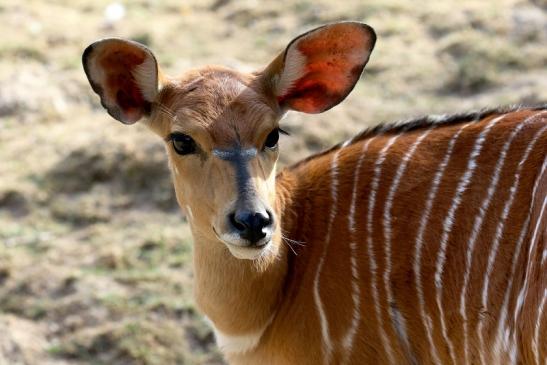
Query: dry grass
[(94, 255)]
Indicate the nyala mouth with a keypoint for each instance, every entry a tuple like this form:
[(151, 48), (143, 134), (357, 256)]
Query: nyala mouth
[(249, 252)]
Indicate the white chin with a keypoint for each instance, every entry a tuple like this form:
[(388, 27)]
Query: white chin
[(246, 253)]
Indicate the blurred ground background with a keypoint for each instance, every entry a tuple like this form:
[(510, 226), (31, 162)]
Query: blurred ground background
[(94, 255)]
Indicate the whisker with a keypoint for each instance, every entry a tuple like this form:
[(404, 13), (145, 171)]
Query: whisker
[(300, 243), (289, 245)]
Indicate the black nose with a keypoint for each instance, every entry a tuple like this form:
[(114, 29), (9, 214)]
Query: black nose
[(251, 225)]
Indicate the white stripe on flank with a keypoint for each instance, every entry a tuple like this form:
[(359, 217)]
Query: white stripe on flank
[(498, 235), (347, 340), (447, 230), (502, 327), (426, 320), (370, 246), (524, 288), (325, 333), (538, 223), (346, 143), (477, 227), (401, 330), (513, 353), (538, 325)]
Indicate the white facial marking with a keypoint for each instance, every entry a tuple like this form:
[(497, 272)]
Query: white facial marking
[(234, 239), (243, 253)]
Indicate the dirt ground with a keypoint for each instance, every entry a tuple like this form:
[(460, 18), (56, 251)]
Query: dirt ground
[(95, 258)]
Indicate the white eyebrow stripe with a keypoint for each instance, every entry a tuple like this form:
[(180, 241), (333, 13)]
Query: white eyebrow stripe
[(235, 153)]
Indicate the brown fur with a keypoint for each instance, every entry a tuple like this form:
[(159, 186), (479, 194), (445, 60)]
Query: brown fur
[(218, 108), (287, 344)]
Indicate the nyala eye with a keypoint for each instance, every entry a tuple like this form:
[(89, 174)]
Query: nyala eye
[(183, 144), (272, 139)]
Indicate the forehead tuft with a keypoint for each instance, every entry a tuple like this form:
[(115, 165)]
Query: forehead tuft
[(224, 102)]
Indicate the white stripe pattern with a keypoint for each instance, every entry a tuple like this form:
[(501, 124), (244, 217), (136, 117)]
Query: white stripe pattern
[(534, 240), (524, 288), (370, 246), (325, 333), (349, 337), (499, 231), (538, 326), (449, 222), (420, 241), (388, 234), (447, 230), (502, 326)]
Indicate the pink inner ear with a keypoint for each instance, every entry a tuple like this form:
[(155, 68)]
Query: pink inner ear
[(120, 84), (335, 56)]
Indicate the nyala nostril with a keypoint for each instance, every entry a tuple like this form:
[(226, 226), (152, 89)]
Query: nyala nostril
[(235, 223), (251, 225)]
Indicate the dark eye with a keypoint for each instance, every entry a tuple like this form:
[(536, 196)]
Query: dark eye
[(183, 144), (271, 140)]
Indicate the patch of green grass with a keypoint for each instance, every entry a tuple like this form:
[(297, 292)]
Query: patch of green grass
[(19, 305), (137, 341), (128, 276), (21, 236), (98, 196), (165, 301), (55, 350)]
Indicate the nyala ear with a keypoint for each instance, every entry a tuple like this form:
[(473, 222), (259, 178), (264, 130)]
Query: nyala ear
[(125, 75), (320, 68)]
